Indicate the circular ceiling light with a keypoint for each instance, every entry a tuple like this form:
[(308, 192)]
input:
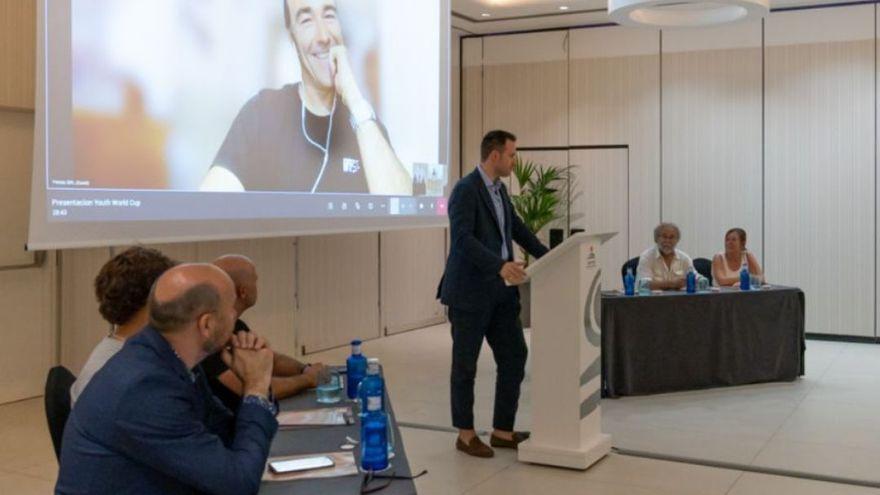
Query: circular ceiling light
[(685, 13)]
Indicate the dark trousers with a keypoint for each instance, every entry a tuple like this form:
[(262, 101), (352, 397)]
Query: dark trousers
[(499, 323)]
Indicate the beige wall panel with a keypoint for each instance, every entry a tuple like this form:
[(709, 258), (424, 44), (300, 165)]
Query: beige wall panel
[(820, 173), (18, 48), (600, 205), (337, 290), (27, 328), (183, 252), (615, 99), (712, 150), (472, 103), (273, 315), (412, 263), (525, 87), (16, 151), (82, 327)]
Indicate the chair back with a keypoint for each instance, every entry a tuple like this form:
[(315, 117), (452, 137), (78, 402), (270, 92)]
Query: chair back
[(703, 266), (57, 402), (633, 263)]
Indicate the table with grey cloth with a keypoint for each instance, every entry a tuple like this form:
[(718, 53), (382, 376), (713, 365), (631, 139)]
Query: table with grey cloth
[(316, 440), (677, 341)]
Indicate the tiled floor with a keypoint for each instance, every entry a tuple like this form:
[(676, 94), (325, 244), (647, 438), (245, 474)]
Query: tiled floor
[(820, 424)]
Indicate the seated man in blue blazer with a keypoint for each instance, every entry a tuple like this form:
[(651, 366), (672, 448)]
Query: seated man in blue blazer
[(482, 227), (148, 423)]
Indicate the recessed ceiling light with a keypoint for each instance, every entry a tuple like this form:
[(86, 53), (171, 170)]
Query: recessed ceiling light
[(485, 14), (563, 7)]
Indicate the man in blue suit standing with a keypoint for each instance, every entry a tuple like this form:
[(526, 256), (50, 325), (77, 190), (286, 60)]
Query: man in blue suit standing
[(482, 226), (148, 423)]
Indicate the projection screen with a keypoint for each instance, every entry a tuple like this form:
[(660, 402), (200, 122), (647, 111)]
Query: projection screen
[(186, 120)]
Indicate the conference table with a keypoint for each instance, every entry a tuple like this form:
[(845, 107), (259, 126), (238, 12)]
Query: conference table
[(325, 439), (675, 341)]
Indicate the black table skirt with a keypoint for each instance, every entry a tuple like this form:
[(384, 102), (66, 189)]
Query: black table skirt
[(329, 439), (677, 341)]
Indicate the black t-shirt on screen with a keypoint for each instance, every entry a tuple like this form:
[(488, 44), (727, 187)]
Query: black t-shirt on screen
[(267, 149), (213, 366)]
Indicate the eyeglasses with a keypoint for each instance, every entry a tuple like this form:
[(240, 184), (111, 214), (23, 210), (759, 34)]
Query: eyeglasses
[(370, 476)]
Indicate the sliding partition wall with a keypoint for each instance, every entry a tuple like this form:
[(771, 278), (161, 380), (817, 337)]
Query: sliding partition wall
[(769, 126)]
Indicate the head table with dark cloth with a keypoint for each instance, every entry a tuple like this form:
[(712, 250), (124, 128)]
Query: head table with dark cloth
[(677, 341), (317, 440)]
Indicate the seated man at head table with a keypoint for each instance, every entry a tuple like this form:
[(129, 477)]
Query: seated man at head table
[(121, 287), (148, 422), (665, 266), (289, 376)]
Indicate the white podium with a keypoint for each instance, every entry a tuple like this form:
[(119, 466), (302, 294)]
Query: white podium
[(566, 356)]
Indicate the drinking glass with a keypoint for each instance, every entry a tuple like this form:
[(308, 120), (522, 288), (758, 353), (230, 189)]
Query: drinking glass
[(329, 387)]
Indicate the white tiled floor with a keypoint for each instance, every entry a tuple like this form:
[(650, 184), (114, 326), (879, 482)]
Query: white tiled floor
[(820, 424)]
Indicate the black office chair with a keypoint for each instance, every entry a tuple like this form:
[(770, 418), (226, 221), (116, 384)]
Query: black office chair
[(633, 263), (57, 401), (704, 268)]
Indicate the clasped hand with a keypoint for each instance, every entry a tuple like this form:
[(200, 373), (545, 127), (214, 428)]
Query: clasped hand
[(249, 357)]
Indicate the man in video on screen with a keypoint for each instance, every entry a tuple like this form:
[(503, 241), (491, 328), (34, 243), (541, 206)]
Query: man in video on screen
[(319, 135)]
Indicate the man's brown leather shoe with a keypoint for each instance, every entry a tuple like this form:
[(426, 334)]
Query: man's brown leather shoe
[(475, 447), (503, 443)]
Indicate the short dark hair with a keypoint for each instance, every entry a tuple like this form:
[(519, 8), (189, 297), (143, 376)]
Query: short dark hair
[(494, 140), (123, 284), (168, 316)]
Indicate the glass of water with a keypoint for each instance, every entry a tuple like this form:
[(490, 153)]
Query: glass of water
[(330, 388), (644, 287), (702, 284)]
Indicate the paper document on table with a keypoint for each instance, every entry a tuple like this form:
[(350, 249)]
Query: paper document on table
[(334, 416), (343, 465)]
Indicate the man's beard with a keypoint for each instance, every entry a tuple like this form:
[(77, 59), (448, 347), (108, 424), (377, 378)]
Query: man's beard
[(215, 343)]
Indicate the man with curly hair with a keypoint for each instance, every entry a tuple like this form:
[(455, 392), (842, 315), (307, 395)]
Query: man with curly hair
[(122, 288)]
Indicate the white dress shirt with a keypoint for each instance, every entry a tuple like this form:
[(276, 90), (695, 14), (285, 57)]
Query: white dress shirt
[(652, 266)]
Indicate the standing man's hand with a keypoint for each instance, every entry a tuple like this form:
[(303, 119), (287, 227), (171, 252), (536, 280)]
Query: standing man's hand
[(513, 272)]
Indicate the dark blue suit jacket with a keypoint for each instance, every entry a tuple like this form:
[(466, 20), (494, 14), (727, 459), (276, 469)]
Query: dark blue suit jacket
[(144, 426), (471, 279)]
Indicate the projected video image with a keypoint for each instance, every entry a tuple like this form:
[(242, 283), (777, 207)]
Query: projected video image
[(294, 96)]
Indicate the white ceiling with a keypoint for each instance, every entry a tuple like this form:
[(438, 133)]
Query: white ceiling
[(512, 15)]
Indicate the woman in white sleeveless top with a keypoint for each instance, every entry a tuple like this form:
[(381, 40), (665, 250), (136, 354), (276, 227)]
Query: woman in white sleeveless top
[(727, 265)]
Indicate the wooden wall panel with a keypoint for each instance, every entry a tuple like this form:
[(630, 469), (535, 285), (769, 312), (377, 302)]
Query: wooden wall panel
[(337, 284), (16, 151), (712, 150), (18, 47), (472, 103), (525, 87), (615, 99), (820, 164), (600, 205), (82, 327), (412, 263)]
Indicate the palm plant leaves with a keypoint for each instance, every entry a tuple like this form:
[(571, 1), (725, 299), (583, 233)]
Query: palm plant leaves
[(538, 202)]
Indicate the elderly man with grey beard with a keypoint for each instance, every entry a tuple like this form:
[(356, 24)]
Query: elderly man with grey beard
[(662, 264)]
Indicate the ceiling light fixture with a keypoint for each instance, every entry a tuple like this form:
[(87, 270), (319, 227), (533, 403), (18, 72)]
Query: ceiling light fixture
[(485, 14), (563, 7), (685, 13)]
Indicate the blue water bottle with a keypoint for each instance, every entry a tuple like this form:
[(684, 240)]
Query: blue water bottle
[(745, 280), (374, 437), (691, 281), (629, 282), (355, 369), (372, 387)]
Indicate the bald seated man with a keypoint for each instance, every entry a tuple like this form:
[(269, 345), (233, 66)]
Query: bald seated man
[(289, 376), (148, 423)]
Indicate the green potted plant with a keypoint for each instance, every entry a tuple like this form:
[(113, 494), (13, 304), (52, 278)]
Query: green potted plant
[(540, 202)]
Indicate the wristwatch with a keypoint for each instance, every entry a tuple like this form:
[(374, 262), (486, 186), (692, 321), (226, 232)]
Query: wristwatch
[(267, 404)]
